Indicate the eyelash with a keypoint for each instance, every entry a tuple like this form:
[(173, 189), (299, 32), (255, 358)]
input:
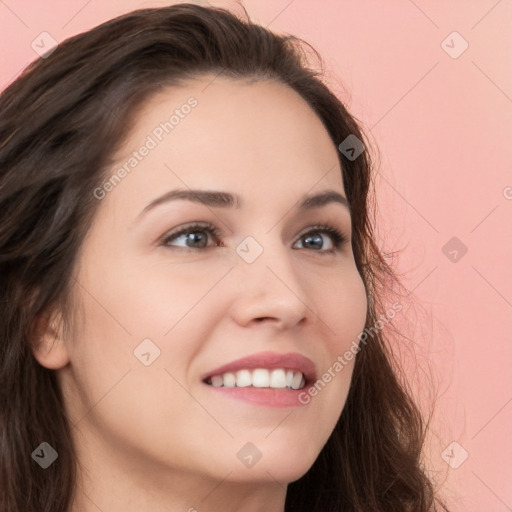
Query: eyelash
[(338, 239)]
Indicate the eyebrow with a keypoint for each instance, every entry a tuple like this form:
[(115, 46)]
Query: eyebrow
[(217, 199)]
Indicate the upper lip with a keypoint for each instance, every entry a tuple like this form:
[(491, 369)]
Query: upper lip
[(270, 360)]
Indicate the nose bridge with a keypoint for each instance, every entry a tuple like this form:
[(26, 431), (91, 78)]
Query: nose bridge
[(270, 287)]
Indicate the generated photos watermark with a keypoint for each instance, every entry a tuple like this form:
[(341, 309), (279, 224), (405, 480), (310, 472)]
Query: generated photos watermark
[(156, 136), (344, 359)]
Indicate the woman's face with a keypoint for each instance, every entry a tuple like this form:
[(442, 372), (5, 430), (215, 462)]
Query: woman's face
[(164, 312)]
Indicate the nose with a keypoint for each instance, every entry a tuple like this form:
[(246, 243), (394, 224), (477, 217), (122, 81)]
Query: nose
[(269, 290)]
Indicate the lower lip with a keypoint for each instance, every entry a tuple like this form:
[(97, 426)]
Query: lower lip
[(264, 396)]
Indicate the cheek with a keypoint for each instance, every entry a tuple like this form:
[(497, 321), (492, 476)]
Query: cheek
[(343, 310), (163, 294), (109, 386), (143, 299), (342, 307)]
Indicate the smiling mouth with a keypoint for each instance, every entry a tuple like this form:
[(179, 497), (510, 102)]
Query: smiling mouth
[(276, 378)]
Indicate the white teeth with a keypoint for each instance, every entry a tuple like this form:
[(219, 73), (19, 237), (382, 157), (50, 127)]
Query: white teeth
[(261, 378), (229, 380), (243, 378), (297, 379), (217, 381), (279, 378)]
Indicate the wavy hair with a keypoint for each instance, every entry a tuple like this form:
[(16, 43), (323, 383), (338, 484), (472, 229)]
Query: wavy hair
[(61, 121)]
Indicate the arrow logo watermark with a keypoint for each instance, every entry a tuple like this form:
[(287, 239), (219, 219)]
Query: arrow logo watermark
[(146, 352), (249, 455)]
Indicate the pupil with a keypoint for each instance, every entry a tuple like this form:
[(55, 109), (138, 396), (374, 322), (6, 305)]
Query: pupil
[(316, 239), (194, 237)]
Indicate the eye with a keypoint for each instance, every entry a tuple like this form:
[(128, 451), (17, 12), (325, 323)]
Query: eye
[(314, 238), (195, 236)]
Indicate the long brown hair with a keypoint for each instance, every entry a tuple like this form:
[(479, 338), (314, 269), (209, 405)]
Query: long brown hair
[(60, 123)]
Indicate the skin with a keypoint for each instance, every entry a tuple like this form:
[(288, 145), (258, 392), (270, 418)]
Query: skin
[(154, 437)]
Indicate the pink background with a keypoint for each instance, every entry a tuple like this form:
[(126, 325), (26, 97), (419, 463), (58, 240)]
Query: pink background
[(443, 128)]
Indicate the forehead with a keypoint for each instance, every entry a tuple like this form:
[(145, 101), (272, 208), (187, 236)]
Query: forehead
[(220, 133)]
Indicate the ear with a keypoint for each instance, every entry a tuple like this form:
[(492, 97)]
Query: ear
[(48, 344)]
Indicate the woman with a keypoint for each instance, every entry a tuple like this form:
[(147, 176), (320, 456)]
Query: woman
[(192, 298)]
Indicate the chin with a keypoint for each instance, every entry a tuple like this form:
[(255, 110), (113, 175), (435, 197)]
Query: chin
[(285, 464)]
